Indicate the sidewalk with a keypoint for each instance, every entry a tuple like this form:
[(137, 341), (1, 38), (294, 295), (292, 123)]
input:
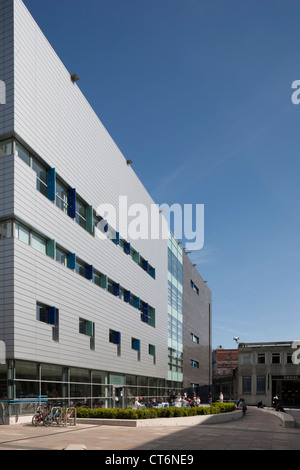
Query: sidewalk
[(257, 430)]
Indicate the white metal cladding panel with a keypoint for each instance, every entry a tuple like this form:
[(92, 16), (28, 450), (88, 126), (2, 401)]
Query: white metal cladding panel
[(54, 118), (38, 278), (39, 213), (6, 295)]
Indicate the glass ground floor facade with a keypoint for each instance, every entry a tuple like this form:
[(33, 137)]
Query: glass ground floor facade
[(21, 380)]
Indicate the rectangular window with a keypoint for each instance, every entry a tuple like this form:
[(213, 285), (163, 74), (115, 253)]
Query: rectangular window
[(275, 358), (23, 153), (81, 214), (195, 364), (261, 384), (5, 230), (261, 359), (246, 360), (246, 385), (46, 314), (100, 280), (114, 337), (135, 344), (62, 257), (41, 176), (22, 233), (86, 327), (80, 268), (62, 197), (152, 350), (39, 243), (152, 317), (5, 148), (194, 287), (194, 338), (110, 286)]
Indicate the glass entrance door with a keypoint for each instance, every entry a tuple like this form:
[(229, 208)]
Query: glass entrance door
[(118, 397)]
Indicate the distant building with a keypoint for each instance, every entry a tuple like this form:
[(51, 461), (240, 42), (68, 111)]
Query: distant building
[(225, 361), (224, 369), (267, 370), (197, 331)]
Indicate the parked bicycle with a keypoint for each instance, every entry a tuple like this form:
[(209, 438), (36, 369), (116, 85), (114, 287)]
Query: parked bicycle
[(41, 416)]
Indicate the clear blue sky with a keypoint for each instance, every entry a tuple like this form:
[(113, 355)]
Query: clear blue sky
[(198, 94)]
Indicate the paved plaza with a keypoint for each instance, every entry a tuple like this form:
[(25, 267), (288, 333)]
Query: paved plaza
[(256, 431)]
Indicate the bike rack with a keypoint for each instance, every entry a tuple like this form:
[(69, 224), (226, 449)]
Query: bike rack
[(72, 412), (60, 419)]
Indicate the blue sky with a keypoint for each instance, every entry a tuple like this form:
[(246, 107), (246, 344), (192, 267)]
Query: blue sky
[(198, 94)]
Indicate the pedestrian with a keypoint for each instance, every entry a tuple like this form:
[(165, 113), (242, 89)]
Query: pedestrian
[(221, 397), (279, 407)]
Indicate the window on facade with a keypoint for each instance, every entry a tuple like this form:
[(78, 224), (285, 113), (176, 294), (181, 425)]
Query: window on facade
[(100, 280), (22, 233), (289, 359), (62, 257), (86, 327), (39, 243), (194, 338), (114, 337), (195, 364), (175, 266), (175, 297), (80, 268), (246, 384), (5, 230), (61, 197), (194, 287), (22, 153), (275, 358), (46, 314), (246, 360), (261, 384), (41, 176), (5, 148), (261, 359), (81, 214), (135, 344)]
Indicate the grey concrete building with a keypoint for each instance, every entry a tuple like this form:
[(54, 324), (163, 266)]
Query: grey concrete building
[(267, 370), (197, 331)]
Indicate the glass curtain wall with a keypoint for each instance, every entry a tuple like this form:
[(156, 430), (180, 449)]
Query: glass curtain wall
[(175, 313)]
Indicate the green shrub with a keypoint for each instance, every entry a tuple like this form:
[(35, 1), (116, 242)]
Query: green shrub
[(152, 413)]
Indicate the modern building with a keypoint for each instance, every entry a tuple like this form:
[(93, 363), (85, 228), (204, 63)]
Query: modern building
[(81, 317), (197, 331), (267, 370), (83, 305)]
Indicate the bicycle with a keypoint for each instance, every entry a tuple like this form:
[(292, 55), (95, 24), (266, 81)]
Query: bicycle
[(40, 416)]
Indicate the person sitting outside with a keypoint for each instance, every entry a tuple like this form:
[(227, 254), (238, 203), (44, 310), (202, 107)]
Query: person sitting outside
[(153, 403), (137, 404), (279, 407)]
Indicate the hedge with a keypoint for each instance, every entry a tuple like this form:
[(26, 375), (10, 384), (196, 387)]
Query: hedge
[(152, 413)]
